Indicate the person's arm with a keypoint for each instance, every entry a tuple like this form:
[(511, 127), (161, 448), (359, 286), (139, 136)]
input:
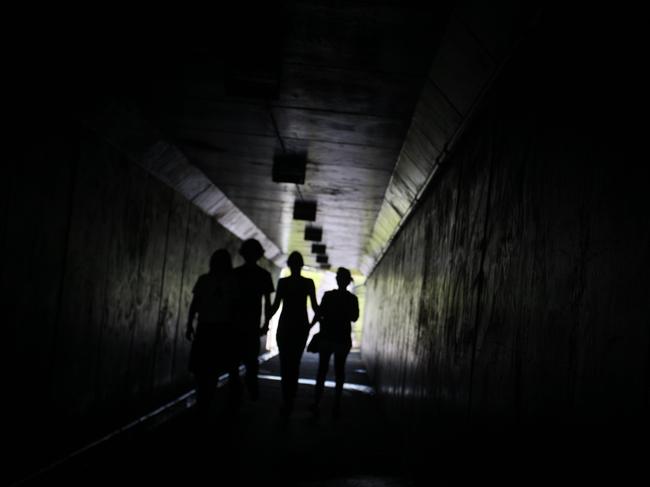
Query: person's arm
[(279, 295), (189, 329), (320, 310), (314, 303), (317, 317), (267, 289), (267, 313), (354, 310)]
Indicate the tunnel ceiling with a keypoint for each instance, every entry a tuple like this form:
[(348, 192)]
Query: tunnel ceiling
[(335, 81)]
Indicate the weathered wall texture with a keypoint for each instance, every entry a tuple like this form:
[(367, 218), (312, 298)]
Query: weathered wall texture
[(517, 293), (99, 262), (477, 41)]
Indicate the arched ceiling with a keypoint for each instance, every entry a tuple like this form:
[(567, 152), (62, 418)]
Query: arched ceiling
[(373, 96), (335, 81)]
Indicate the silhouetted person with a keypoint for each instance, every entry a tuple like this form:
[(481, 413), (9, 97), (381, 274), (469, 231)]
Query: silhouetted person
[(211, 352), (293, 326), (252, 285), (338, 309)]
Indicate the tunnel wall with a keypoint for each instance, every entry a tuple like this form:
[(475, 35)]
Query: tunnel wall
[(101, 258), (516, 294)]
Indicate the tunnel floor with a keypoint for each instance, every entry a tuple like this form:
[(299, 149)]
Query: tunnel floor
[(258, 445), (361, 448)]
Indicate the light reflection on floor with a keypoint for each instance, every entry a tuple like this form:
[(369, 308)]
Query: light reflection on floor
[(328, 383)]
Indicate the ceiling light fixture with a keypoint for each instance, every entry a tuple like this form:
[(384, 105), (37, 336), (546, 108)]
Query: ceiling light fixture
[(314, 234), (304, 210), (289, 167)]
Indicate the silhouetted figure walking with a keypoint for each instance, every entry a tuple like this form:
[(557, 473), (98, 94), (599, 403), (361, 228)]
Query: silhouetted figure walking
[(252, 284), (338, 309), (211, 352), (293, 327)]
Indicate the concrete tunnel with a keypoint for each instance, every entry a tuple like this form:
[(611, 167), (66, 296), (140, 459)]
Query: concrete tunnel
[(473, 164)]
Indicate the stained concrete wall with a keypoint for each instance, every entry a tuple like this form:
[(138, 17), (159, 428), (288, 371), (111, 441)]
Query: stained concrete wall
[(99, 261), (516, 296)]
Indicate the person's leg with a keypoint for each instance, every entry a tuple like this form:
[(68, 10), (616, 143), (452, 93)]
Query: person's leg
[(340, 357), (231, 349), (234, 383), (323, 366), (252, 365), (292, 367), (298, 348), (204, 395), (297, 358), (291, 353), (284, 371)]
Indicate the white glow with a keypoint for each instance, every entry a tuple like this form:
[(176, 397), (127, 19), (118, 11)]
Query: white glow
[(328, 383)]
